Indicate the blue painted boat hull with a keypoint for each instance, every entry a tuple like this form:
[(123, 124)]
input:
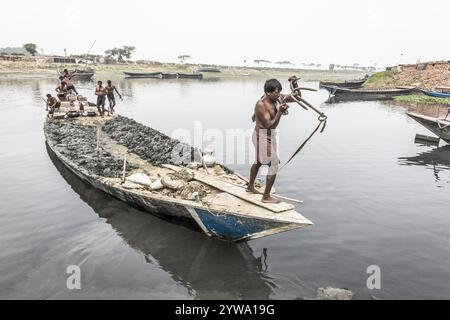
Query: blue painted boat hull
[(437, 94), (233, 227)]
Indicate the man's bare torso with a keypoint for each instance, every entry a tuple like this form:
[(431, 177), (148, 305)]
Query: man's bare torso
[(265, 106)]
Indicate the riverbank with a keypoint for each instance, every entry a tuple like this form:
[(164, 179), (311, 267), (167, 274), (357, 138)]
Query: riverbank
[(20, 69), (427, 76)]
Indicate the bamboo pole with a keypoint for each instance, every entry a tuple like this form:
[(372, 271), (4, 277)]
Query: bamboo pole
[(124, 167)]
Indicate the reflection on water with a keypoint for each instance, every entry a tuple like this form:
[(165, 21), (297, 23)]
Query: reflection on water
[(438, 159), (375, 196), (206, 267)]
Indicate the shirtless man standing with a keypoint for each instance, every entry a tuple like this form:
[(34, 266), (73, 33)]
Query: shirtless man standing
[(100, 92), (110, 94), (68, 80), (267, 117)]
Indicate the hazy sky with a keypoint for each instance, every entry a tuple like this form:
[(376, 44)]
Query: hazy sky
[(229, 32)]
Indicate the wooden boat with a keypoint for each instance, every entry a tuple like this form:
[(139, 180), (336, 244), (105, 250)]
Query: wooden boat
[(352, 84), (80, 75), (143, 74), (169, 75), (190, 76), (158, 240), (369, 93), (437, 94), (440, 127), (226, 211), (208, 69)]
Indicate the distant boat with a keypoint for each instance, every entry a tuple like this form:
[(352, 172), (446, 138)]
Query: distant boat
[(80, 74), (143, 74), (208, 69), (440, 127), (169, 75), (353, 84), (190, 75)]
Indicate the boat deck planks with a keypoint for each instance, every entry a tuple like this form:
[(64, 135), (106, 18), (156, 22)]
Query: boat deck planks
[(235, 190)]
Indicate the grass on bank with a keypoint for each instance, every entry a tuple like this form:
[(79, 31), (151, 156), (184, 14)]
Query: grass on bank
[(385, 79), (422, 99)]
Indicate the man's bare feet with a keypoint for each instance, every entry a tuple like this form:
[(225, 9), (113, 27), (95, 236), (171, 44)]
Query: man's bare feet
[(251, 190), (270, 199)]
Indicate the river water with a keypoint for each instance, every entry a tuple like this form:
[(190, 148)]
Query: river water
[(376, 198)]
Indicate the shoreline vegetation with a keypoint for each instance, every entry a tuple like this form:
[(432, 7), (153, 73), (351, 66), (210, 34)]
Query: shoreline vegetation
[(49, 70), (426, 79)]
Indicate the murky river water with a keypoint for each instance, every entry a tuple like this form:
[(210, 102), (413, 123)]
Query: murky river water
[(375, 196)]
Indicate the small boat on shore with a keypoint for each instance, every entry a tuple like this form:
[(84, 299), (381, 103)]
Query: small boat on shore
[(134, 163), (352, 84), (190, 76), (440, 127), (143, 75), (368, 94)]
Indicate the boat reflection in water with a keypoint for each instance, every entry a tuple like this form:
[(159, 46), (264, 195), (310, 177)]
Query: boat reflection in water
[(208, 268), (438, 159)]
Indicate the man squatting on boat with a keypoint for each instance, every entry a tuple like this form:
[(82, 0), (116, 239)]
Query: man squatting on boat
[(52, 103), (267, 117)]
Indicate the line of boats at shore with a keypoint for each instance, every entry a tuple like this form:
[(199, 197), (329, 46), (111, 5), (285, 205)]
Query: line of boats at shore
[(353, 90), (162, 75)]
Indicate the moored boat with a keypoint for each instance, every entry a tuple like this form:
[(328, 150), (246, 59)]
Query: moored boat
[(353, 84), (80, 75), (169, 75), (190, 75), (208, 69), (143, 74), (440, 127), (369, 94), (437, 94), (214, 201)]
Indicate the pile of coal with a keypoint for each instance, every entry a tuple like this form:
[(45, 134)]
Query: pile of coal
[(150, 144), (78, 144)]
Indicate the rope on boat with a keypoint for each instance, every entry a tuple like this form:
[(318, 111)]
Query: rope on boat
[(441, 125)]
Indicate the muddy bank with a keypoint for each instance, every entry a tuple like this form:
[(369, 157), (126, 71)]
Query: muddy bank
[(27, 69), (78, 143), (151, 145)]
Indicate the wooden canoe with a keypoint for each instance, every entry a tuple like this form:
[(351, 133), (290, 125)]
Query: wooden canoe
[(169, 75), (227, 212), (437, 94), (440, 127), (352, 84), (190, 76), (370, 93), (143, 74)]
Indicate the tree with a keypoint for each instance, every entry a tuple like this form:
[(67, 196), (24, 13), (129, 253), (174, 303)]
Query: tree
[(31, 48), (120, 53), (184, 57), (331, 67)]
